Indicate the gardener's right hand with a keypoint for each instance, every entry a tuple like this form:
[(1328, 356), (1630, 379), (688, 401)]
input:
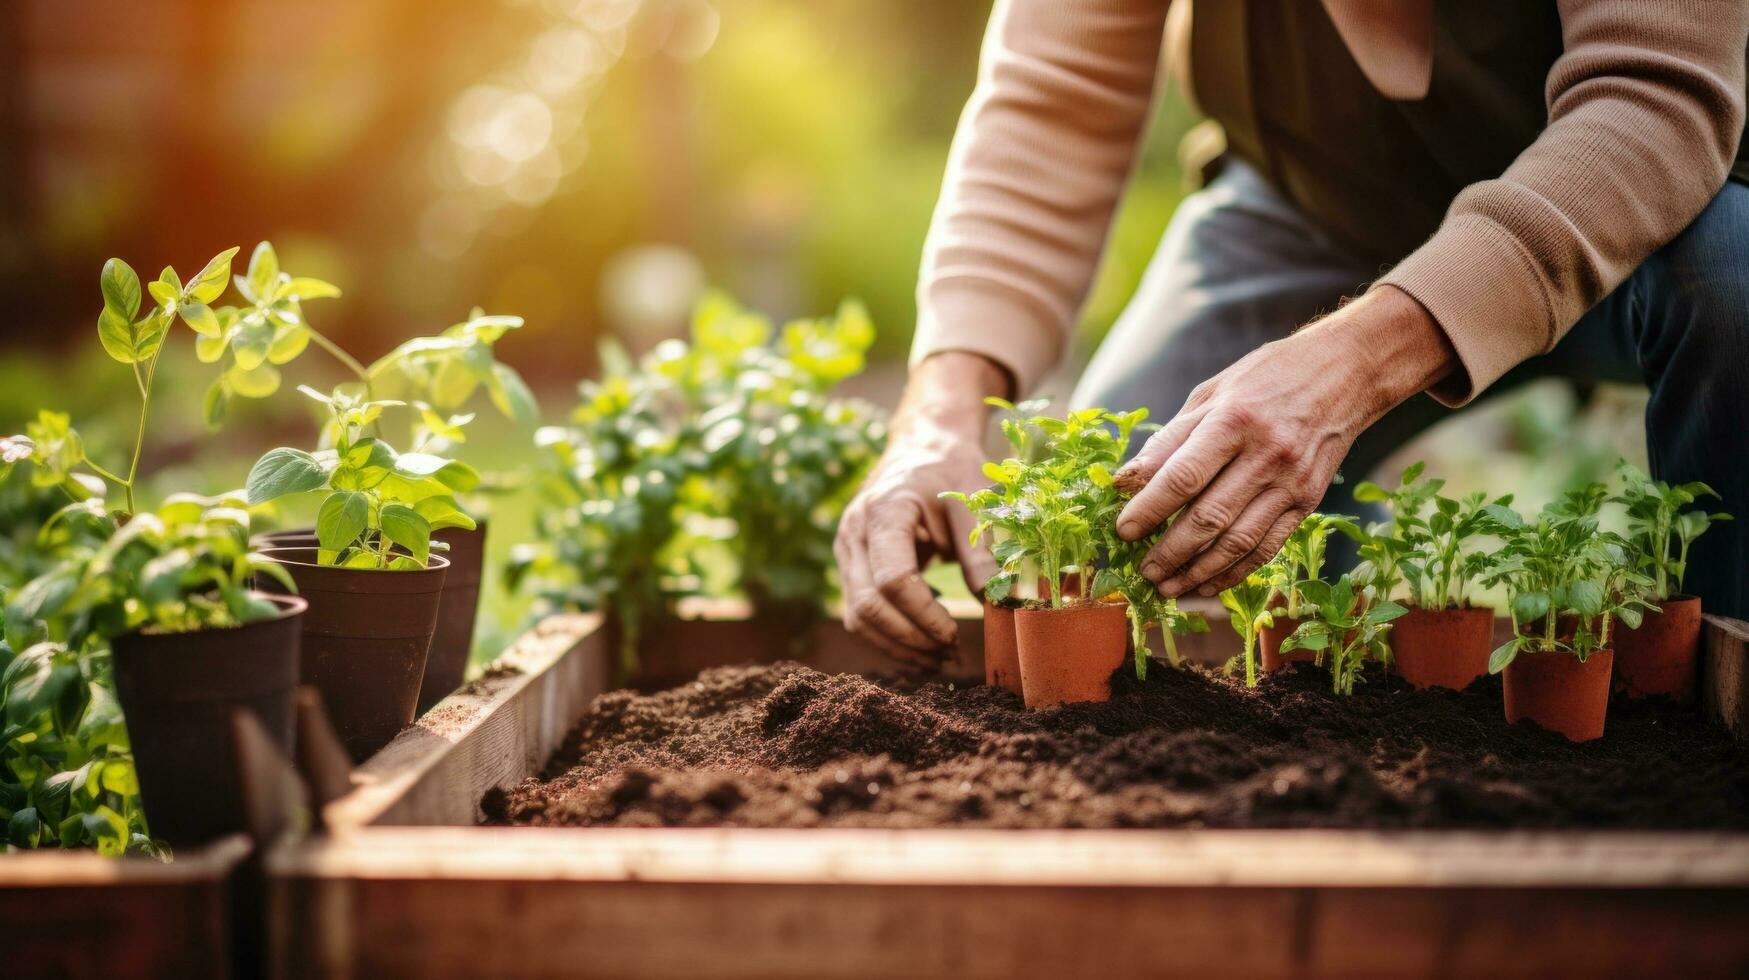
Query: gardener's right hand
[(898, 521)]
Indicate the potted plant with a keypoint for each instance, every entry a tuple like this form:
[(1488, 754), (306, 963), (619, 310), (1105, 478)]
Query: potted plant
[(1658, 657), (1301, 560), (1429, 549), (1567, 582), (190, 644), (437, 377), (1348, 626), (371, 579), (1065, 507)]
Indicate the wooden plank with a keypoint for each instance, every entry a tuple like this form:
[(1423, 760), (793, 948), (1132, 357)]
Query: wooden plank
[(76, 914), (1725, 672), (490, 733), (745, 903)]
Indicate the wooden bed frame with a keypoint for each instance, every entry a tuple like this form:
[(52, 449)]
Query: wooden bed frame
[(404, 884)]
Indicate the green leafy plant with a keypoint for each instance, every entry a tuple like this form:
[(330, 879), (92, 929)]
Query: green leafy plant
[(1301, 559), (68, 776), (1661, 529), (381, 506), (1566, 578), (1431, 543), (1349, 626), (1147, 607), (1248, 602), (437, 376)]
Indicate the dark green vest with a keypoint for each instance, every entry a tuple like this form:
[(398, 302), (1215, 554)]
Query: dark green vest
[(1375, 173)]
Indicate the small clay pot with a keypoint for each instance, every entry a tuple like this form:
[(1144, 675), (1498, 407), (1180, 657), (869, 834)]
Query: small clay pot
[(1001, 655), (454, 639), (1660, 657), (1270, 639), (1442, 647), (178, 691), (1068, 654), (1555, 691), (364, 641)]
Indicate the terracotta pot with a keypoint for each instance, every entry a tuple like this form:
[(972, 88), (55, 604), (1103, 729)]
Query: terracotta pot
[(1555, 691), (454, 639), (178, 691), (1442, 647), (1068, 654), (364, 641), (1001, 655), (1269, 641), (1660, 657)]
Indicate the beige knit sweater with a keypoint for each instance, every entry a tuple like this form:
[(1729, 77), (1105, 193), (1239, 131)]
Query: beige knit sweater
[(1646, 106)]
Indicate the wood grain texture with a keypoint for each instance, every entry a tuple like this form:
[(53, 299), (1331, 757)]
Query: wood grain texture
[(1724, 680), (75, 914)]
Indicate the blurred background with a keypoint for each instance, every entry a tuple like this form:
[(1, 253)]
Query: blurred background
[(588, 164)]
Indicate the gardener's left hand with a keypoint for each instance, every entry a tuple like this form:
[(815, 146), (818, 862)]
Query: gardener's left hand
[(1253, 449)]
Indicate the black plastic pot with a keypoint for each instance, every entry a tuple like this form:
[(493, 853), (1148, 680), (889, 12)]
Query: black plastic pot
[(454, 639), (178, 691), (365, 639)]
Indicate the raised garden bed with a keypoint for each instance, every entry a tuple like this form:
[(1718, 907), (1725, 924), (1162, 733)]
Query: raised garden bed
[(405, 884)]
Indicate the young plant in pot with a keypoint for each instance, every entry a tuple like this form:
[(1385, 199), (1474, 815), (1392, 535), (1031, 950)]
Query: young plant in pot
[(190, 643), (1430, 549), (437, 377), (1567, 582), (1300, 561), (371, 579), (1065, 505), (1659, 656), (1348, 627)]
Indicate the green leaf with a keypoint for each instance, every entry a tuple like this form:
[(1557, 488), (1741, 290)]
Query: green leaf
[(263, 271), (403, 526), (258, 382), (1503, 655), (281, 472), (1384, 612), (1586, 598), (1530, 607), (109, 830), (200, 318), (511, 395), (342, 520), (24, 829), (288, 342), (121, 289), (209, 283), (442, 512), (304, 287), (215, 405)]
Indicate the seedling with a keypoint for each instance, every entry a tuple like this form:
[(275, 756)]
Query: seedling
[(437, 376), (1302, 558), (1429, 544), (1563, 566), (1248, 602), (1660, 530), (1349, 626), (1147, 607), (377, 500)]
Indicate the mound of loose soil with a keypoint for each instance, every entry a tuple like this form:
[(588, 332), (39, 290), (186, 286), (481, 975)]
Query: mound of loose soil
[(787, 746)]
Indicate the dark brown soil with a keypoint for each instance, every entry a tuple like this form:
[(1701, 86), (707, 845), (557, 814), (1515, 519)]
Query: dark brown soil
[(788, 746)]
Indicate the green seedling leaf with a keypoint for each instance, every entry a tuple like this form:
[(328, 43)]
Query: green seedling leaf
[(404, 526), (343, 519), (282, 472), (209, 283)]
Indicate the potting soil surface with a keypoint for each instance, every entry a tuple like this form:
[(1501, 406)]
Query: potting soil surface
[(784, 745)]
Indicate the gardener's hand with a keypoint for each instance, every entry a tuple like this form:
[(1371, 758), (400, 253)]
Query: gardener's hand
[(1255, 447), (898, 521)]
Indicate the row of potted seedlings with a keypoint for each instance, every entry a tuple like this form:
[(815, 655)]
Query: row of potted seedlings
[(189, 616), (1590, 609)]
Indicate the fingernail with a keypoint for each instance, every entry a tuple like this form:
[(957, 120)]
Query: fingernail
[(1129, 529)]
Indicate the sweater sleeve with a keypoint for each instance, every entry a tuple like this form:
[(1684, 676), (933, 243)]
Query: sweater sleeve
[(1038, 164), (1646, 106)]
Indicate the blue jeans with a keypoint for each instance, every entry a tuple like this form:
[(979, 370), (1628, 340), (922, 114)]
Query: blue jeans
[(1239, 266)]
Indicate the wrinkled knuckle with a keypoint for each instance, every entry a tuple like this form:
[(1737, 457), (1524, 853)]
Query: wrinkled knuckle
[(1240, 417), (867, 606), (1207, 520), (893, 586), (1181, 481)]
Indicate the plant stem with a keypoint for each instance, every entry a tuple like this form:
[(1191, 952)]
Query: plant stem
[(350, 362), (140, 433)]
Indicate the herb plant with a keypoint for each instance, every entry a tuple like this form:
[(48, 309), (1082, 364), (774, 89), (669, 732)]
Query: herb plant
[(377, 500), (1301, 559), (437, 376), (1430, 543), (1563, 567), (1349, 625), (1660, 529), (1248, 603)]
